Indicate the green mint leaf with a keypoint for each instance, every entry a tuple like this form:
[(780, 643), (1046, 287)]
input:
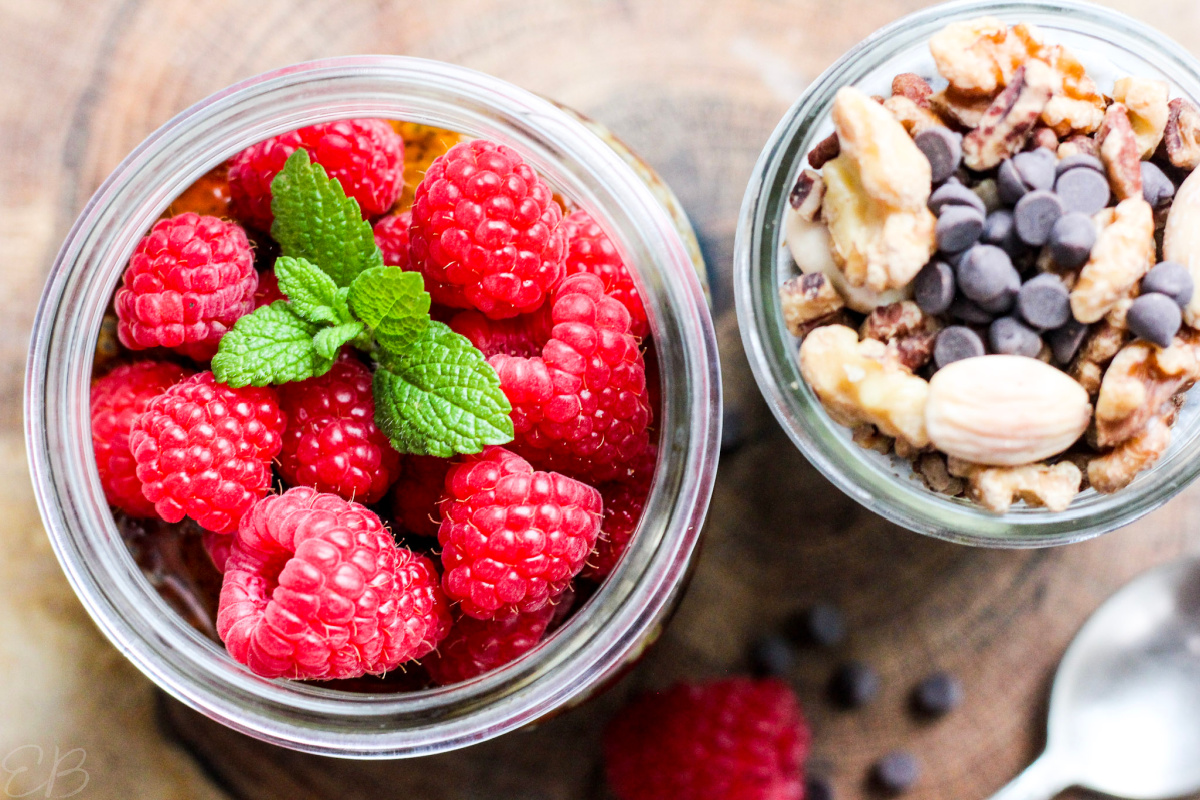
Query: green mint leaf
[(310, 291), (329, 341), (272, 345), (439, 397), (315, 220), (394, 303)]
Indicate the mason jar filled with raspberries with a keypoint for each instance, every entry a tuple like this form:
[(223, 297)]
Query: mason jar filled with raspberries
[(967, 266), (373, 406)]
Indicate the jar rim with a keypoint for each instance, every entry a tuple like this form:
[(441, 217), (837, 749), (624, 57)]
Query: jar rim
[(880, 483), (589, 647)]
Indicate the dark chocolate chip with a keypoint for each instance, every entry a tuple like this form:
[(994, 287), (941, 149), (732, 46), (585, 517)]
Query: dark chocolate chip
[(1009, 336), (1072, 239), (1079, 160), (1155, 318), (998, 228), (1009, 183), (1083, 189), (1036, 168), (955, 194), (987, 276), (817, 787), (1156, 186), (943, 149), (958, 227), (933, 288), (896, 772), (771, 657), (938, 695), (1172, 279), (968, 311), (1066, 341), (956, 343), (1035, 215), (854, 684), (822, 625), (1044, 302)]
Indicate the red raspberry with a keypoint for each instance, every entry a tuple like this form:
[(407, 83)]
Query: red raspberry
[(391, 234), (331, 442), (117, 400), (590, 250), (623, 504), (315, 588), (512, 539), (734, 739), (485, 231), (204, 450), (582, 407), (520, 336), (416, 494), (189, 280), (476, 646), (365, 155), (268, 289)]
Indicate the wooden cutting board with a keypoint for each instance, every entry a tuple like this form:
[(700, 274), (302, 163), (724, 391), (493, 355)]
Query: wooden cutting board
[(695, 86)]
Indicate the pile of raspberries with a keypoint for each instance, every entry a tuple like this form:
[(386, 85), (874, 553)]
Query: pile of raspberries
[(304, 499)]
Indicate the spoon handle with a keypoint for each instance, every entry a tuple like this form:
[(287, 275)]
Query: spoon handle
[(1042, 780)]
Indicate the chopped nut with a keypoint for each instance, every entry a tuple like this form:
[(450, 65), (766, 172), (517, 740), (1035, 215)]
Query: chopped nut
[(911, 115), (1102, 343), (1146, 101), (1181, 239), (1120, 152), (1078, 145), (907, 451), (1006, 125), (963, 111), (1042, 137), (807, 298), (868, 437), (975, 56), (824, 151), (1123, 253), (912, 86), (933, 471), (892, 169), (858, 384), (1182, 135), (1138, 382), (1116, 469), (909, 332), (808, 194), (1053, 486)]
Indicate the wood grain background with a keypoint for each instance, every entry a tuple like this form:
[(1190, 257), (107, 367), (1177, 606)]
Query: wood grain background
[(695, 86)]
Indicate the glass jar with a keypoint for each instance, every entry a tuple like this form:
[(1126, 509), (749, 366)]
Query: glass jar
[(1110, 45), (617, 622)]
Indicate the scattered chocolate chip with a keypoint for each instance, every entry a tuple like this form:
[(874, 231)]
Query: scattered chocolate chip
[(771, 657), (1083, 189), (1009, 336), (1155, 317), (955, 194), (987, 276), (933, 288), (938, 695), (1044, 302), (998, 229), (1172, 279), (968, 311), (817, 787), (1156, 186), (1035, 215), (822, 625), (1036, 168), (1079, 160), (1072, 239), (958, 227), (943, 148), (1066, 341), (1009, 183), (956, 343), (854, 684), (896, 772)]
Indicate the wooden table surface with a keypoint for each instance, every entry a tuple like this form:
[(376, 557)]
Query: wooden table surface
[(693, 85)]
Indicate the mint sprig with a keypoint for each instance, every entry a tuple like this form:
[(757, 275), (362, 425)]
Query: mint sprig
[(435, 393)]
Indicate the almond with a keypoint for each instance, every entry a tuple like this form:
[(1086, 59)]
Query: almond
[(1181, 240), (1004, 410)]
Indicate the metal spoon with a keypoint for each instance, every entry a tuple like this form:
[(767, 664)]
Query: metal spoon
[(1125, 708)]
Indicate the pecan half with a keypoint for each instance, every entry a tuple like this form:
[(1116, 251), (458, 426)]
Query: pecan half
[(1120, 152), (1182, 136), (1053, 486), (1138, 382), (1010, 118), (1123, 253), (1116, 469)]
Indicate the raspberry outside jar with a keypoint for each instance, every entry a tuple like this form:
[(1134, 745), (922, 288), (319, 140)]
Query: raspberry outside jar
[(603, 636), (1110, 46)]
